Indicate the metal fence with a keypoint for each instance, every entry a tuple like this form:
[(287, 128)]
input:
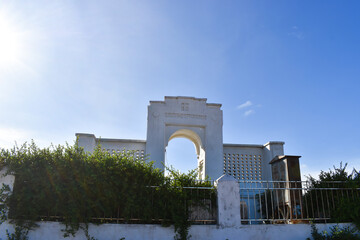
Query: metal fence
[(205, 210), (199, 202), (293, 201)]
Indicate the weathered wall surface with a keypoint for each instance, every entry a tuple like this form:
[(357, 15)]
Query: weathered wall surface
[(244, 161), (89, 142), (52, 230), (228, 201)]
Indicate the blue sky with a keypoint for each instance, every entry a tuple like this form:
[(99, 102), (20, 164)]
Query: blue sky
[(283, 70)]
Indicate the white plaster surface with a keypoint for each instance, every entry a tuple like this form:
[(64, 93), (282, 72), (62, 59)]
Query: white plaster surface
[(195, 119), (271, 150), (87, 141), (52, 231), (7, 180), (241, 161), (228, 202)]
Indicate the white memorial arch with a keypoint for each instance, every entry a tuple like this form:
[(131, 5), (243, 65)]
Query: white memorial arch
[(190, 118), (200, 122)]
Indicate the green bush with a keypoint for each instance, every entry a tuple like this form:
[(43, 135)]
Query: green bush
[(343, 204), (336, 233), (68, 185)]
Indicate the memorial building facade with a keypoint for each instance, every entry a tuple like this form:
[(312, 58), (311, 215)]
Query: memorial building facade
[(200, 122)]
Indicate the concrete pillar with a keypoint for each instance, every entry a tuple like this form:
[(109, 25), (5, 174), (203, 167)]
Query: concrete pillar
[(270, 150), (228, 193)]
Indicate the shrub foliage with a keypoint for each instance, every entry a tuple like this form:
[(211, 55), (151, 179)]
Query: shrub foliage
[(64, 183), (335, 233)]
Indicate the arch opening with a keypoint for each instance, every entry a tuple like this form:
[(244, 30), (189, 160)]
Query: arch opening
[(181, 155), (179, 152)]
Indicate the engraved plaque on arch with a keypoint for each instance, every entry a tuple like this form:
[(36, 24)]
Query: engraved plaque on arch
[(184, 107)]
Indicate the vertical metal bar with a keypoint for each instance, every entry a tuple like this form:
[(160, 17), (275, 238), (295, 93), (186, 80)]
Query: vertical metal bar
[(266, 201), (277, 200), (210, 205), (332, 197), (260, 198), (254, 200), (306, 195), (184, 199), (327, 200), (249, 216), (241, 212), (322, 202), (300, 199), (165, 209), (333, 192), (312, 202), (272, 200), (190, 207), (294, 206), (284, 186), (317, 203)]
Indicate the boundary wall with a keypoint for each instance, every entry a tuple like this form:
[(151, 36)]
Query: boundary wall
[(52, 230)]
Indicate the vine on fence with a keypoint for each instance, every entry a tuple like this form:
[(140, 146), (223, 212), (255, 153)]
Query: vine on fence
[(63, 183)]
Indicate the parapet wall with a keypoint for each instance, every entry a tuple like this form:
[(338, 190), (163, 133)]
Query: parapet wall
[(52, 230)]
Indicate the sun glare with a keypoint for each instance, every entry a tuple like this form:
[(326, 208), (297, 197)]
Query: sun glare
[(10, 43)]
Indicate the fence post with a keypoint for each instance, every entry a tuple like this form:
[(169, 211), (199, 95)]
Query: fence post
[(228, 195)]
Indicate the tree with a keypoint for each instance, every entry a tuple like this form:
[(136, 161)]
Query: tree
[(336, 194)]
